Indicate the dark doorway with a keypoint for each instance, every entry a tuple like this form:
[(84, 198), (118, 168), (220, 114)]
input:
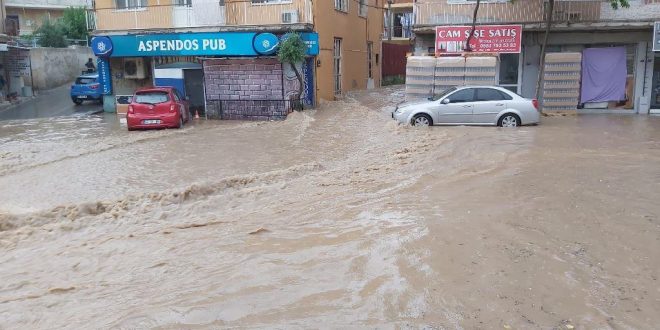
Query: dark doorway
[(12, 25), (194, 85)]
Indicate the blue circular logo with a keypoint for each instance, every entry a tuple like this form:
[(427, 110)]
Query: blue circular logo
[(265, 43), (102, 46)]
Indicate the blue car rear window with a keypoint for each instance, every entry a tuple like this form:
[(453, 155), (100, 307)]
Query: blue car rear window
[(85, 81)]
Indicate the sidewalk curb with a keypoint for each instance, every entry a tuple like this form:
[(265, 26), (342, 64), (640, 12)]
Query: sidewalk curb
[(15, 105), (36, 95)]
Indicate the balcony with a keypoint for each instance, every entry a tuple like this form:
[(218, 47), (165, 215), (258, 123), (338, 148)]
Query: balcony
[(401, 24), (45, 4), (432, 13), (201, 14)]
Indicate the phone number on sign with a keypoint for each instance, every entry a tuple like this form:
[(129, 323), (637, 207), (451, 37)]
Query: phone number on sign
[(502, 45)]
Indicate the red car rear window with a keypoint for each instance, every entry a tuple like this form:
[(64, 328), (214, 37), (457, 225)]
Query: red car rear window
[(151, 97)]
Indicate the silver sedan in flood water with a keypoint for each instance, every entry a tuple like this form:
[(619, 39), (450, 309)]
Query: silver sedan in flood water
[(470, 105)]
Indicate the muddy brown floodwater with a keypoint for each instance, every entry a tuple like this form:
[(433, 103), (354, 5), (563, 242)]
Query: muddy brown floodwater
[(334, 218)]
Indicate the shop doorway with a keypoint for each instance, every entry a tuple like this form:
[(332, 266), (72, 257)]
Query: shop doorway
[(509, 72), (194, 87), (655, 87)]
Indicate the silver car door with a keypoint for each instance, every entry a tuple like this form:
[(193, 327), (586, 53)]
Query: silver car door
[(459, 108), (489, 102)]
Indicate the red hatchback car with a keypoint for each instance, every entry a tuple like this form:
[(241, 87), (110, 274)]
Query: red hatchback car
[(158, 107)]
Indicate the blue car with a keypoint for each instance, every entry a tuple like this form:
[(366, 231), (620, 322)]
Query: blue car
[(86, 88)]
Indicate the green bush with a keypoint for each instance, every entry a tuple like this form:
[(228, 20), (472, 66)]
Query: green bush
[(74, 22), (52, 34), (394, 80)]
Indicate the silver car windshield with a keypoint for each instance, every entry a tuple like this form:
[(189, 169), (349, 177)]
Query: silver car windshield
[(442, 94)]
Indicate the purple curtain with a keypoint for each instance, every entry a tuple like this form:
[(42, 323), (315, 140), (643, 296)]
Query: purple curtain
[(604, 74)]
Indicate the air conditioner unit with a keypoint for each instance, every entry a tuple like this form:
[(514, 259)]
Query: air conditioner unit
[(290, 16), (134, 68)]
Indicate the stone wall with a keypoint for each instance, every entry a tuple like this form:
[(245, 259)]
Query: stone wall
[(246, 89), (52, 67)]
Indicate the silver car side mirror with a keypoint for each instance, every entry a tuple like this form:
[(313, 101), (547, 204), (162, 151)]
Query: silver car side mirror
[(445, 101)]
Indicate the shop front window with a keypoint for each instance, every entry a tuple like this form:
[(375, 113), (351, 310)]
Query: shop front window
[(655, 91), (508, 73)]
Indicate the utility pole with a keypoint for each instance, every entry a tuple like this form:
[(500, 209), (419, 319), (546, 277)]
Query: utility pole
[(390, 20), (3, 16)]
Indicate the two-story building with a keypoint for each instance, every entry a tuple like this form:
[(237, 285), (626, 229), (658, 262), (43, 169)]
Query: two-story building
[(25, 16), (578, 25), (221, 54)]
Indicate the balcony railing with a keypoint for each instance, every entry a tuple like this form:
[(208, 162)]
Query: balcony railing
[(399, 32), (46, 3), (400, 23), (201, 13), (439, 12)]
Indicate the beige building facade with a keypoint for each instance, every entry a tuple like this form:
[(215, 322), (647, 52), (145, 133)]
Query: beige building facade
[(343, 38)]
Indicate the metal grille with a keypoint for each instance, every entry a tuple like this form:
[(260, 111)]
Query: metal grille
[(337, 65), (251, 109)]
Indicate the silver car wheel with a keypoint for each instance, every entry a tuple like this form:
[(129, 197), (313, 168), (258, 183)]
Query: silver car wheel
[(421, 121), (509, 121)]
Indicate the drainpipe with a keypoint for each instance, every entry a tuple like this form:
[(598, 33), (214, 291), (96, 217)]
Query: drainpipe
[(3, 15), (390, 21)]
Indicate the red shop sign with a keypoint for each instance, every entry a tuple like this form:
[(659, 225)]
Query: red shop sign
[(487, 39)]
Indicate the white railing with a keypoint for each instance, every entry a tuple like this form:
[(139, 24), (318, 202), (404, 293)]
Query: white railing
[(201, 13), (639, 10), (47, 3), (439, 12)]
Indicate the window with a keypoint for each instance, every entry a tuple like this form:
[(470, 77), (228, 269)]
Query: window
[(508, 73), (443, 93), (341, 5), (85, 81), (176, 95), (489, 94), (463, 95), (130, 4), (270, 1), (151, 97), (469, 2), (183, 3), (370, 46), (362, 10), (336, 55)]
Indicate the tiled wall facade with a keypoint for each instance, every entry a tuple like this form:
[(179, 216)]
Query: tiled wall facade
[(246, 89)]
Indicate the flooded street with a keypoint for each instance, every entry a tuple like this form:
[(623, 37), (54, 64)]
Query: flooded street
[(334, 218)]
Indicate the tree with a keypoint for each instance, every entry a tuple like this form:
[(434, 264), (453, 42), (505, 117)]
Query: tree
[(75, 23), (292, 51), (52, 34), (616, 4), (468, 48)]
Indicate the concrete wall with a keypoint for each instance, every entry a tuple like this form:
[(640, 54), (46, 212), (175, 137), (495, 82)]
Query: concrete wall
[(52, 67), (355, 31)]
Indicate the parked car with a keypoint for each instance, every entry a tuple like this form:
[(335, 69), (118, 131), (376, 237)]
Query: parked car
[(159, 107), (470, 105), (86, 88)]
